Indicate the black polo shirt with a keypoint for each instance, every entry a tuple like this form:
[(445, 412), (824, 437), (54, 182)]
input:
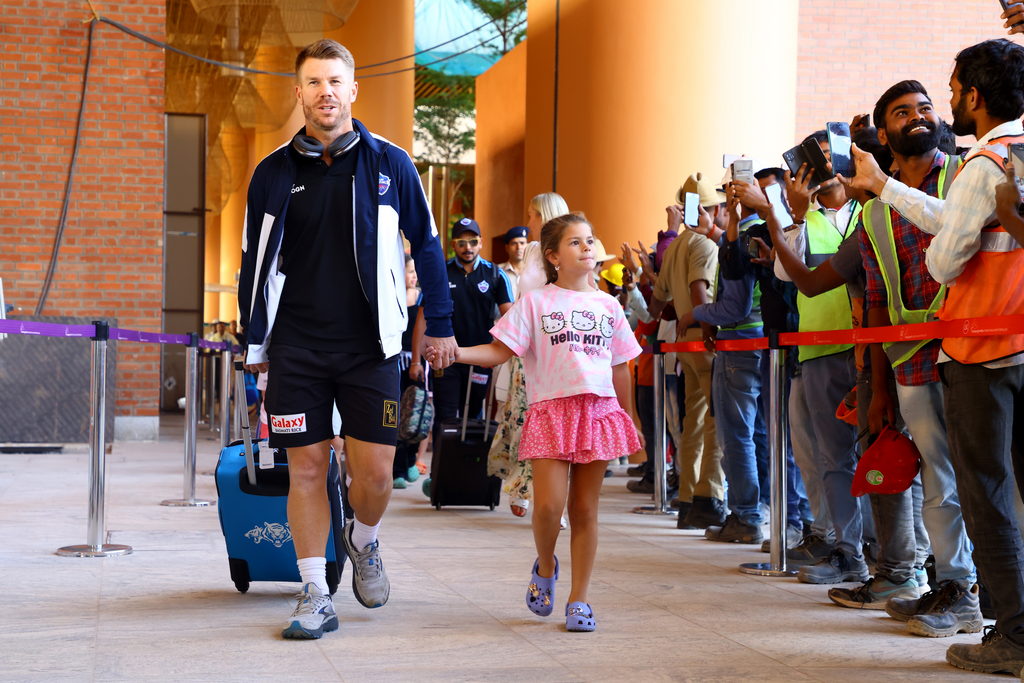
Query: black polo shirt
[(323, 307), (474, 296)]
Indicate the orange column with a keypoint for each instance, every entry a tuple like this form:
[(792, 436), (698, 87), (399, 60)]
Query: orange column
[(375, 32), (211, 270), (652, 94), (232, 220)]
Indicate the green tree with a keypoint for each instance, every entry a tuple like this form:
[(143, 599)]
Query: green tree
[(509, 18), (441, 118)]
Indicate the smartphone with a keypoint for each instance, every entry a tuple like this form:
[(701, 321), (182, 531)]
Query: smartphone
[(1006, 6), (839, 144), (743, 170), (865, 120), (795, 158), (727, 159), (817, 158), (1016, 152), (779, 208), (690, 211), (749, 246)]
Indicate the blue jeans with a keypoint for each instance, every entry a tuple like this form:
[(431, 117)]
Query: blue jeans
[(797, 507), (827, 380), (737, 395), (923, 412), (806, 455)]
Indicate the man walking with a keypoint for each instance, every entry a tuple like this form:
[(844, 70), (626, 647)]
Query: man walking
[(322, 298)]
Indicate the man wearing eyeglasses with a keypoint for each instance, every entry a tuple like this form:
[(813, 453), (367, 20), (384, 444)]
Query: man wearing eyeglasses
[(476, 286)]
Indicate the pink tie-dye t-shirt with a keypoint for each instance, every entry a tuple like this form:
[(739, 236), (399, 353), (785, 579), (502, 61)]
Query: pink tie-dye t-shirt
[(568, 340)]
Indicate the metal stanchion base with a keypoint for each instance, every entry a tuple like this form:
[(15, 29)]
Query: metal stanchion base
[(765, 569), (105, 550), (188, 503), (651, 510)]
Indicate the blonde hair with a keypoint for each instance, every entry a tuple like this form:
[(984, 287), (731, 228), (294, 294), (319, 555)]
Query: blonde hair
[(326, 49), (549, 205), (551, 236)]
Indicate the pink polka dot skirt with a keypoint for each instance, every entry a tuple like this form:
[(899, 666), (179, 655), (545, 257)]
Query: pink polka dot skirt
[(579, 429)]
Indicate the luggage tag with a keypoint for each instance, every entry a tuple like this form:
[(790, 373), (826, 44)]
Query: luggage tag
[(267, 457)]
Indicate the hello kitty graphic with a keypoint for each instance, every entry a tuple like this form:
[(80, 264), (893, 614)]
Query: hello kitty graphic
[(606, 326), (584, 321), (553, 323)]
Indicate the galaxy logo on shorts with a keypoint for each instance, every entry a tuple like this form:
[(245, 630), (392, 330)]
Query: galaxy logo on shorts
[(288, 424)]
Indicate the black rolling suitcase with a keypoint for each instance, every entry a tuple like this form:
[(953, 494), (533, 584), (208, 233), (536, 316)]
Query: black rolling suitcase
[(458, 469), (253, 510)]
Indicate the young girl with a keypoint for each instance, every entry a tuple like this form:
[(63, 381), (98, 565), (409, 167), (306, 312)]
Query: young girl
[(576, 345)]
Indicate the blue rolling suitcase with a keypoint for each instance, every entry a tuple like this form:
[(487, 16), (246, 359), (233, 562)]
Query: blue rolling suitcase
[(253, 510)]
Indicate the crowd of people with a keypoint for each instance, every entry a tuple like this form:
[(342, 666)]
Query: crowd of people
[(923, 230)]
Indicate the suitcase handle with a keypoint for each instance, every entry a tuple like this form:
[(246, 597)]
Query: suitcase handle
[(487, 404), (250, 465)]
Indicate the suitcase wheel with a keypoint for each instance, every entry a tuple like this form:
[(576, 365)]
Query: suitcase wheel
[(492, 507), (437, 506), (239, 573)]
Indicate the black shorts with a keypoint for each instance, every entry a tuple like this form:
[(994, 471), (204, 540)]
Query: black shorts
[(304, 385)]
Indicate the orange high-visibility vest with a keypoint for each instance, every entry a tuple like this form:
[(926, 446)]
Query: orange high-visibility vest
[(992, 282)]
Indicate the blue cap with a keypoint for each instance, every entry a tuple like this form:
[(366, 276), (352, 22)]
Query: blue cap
[(465, 225), (518, 231)]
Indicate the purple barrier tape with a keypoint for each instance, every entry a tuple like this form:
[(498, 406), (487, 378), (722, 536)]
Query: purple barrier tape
[(46, 329), (147, 337), (219, 346)]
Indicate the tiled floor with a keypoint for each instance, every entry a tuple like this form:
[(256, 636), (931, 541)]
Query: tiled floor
[(670, 606)]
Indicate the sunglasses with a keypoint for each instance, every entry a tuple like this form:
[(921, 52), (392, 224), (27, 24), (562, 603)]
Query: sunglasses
[(461, 244)]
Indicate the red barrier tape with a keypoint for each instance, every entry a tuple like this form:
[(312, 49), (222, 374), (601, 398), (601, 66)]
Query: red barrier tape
[(939, 329)]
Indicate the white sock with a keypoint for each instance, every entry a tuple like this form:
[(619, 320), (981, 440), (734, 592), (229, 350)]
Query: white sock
[(314, 570), (362, 534)]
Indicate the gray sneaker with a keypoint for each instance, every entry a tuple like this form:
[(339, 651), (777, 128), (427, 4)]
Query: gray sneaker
[(313, 616), (957, 611), (836, 568), (873, 593), (370, 582)]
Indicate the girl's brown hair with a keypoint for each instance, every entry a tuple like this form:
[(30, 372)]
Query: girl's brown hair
[(551, 236)]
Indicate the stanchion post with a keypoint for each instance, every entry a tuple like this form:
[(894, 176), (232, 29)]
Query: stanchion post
[(660, 449), (778, 476), (211, 390), (191, 419), (203, 398), (225, 397), (95, 546)]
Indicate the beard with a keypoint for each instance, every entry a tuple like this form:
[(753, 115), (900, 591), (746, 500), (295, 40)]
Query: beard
[(905, 144), (313, 115), (962, 124)]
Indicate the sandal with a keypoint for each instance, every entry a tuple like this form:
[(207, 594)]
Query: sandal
[(540, 595), (519, 507), (579, 617)]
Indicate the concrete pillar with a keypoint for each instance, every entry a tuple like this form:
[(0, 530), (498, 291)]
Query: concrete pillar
[(652, 94), (375, 32)]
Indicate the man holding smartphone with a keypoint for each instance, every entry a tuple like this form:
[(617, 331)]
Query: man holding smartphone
[(983, 377)]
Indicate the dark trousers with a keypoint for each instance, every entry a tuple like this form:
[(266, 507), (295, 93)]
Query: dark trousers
[(985, 426), (450, 394)]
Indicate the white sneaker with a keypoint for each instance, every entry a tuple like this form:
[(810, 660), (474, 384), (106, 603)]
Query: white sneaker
[(313, 616)]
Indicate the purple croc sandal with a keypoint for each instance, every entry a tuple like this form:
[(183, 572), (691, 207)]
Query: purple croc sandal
[(540, 595), (579, 617)]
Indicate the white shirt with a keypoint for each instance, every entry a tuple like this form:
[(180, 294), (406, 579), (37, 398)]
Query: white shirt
[(956, 221), (797, 238)]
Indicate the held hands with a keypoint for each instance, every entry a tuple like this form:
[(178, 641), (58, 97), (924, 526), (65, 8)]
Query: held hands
[(869, 176), (440, 352), (798, 192), (1013, 15), (1008, 195)]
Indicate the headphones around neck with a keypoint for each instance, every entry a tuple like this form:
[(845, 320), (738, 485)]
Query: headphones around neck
[(311, 148)]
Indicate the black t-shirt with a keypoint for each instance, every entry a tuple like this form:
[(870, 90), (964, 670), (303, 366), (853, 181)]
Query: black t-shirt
[(474, 296), (323, 307)]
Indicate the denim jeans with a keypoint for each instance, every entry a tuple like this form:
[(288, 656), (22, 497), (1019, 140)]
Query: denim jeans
[(922, 410), (796, 498), (827, 380), (737, 394), (806, 455), (985, 426), (893, 514)]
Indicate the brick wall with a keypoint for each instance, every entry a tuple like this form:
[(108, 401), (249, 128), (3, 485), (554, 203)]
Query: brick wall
[(851, 51), (111, 262)]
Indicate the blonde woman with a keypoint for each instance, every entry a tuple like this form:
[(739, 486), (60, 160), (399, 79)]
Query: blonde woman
[(503, 460)]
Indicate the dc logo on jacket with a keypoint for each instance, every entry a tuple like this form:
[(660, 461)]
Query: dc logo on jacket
[(383, 184)]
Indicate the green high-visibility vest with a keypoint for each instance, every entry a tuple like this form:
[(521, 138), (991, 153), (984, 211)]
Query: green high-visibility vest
[(878, 225), (753, 319), (831, 310)]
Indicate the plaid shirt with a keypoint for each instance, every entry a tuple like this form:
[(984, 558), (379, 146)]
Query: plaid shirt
[(917, 285)]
